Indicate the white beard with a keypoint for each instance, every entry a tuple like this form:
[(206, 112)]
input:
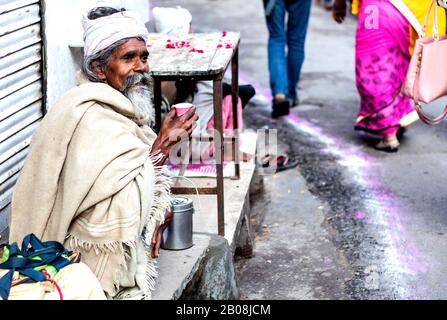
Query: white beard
[(141, 99)]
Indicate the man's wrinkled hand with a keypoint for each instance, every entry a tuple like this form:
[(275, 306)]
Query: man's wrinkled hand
[(174, 128), (158, 234)]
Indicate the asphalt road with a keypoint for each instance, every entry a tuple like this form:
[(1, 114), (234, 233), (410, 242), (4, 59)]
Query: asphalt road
[(350, 222)]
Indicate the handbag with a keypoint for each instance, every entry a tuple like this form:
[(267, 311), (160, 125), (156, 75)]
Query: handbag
[(426, 78), (36, 261)]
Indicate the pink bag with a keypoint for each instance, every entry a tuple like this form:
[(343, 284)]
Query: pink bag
[(426, 78)]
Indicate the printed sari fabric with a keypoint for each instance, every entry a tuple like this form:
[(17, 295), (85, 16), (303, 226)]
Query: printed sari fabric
[(382, 59), (419, 8), (227, 122)]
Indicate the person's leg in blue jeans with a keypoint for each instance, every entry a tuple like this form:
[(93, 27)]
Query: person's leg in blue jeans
[(277, 50), (297, 24), (285, 68)]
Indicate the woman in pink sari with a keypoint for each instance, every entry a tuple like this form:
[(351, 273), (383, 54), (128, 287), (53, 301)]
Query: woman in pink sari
[(382, 57)]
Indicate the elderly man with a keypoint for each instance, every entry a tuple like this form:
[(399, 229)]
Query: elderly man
[(94, 178)]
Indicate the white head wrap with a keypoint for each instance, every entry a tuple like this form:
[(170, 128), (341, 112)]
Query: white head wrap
[(172, 21), (101, 33)]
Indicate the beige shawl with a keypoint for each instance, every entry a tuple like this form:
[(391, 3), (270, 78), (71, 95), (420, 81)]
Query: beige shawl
[(89, 181)]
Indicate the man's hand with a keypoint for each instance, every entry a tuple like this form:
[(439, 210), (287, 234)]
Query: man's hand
[(339, 10), (158, 234), (172, 130)]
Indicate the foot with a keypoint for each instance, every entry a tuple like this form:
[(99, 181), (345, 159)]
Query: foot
[(281, 106), (388, 144), (279, 162), (401, 133)]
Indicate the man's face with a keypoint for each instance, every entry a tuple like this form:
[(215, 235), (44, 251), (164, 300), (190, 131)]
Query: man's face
[(128, 59)]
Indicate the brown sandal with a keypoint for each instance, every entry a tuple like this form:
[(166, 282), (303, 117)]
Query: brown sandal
[(388, 146)]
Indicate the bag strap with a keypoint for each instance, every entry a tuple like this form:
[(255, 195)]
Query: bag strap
[(435, 23), (5, 284), (34, 253), (35, 244), (32, 247), (409, 15), (427, 119)]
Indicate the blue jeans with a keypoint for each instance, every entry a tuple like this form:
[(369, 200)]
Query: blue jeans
[(285, 68)]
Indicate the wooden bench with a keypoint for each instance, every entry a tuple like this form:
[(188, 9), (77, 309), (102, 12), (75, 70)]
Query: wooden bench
[(200, 56)]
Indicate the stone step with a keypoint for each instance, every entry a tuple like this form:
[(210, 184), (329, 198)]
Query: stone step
[(206, 271)]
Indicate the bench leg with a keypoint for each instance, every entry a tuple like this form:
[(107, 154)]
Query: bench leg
[(235, 96), (219, 153)]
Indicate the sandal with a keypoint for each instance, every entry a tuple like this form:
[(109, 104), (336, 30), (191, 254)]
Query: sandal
[(282, 162), (388, 146)]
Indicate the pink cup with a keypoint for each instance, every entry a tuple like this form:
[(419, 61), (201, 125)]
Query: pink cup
[(182, 108)]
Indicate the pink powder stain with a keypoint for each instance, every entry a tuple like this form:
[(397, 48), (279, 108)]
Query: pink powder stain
[(411, 260), (360, 215), (294, 117), (344, 215)]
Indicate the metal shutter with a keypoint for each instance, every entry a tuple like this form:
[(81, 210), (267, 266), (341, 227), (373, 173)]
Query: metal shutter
[(21, 105)]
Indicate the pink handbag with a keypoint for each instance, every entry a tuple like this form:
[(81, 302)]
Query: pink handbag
[(426, 78)]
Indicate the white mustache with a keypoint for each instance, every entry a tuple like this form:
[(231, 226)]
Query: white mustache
[(137, 80)]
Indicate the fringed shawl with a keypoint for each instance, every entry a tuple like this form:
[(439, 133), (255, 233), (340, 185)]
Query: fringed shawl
[(89, 182)]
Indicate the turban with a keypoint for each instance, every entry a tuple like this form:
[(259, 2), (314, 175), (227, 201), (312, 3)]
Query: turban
[(101, 33), (172, 21)]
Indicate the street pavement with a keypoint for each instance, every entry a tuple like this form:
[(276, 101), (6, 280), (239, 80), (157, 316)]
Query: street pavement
[(350, 222)]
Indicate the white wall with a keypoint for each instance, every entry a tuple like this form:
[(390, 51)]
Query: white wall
[(63, 35)]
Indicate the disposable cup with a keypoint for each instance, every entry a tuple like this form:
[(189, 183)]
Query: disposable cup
[(182, 108)]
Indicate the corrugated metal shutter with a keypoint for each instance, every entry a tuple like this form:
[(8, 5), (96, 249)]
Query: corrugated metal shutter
[(21, 105)]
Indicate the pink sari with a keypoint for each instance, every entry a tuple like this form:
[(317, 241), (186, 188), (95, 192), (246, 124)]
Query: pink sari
[(227, 115), (382, 59), (227, 121), (203, 151)]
